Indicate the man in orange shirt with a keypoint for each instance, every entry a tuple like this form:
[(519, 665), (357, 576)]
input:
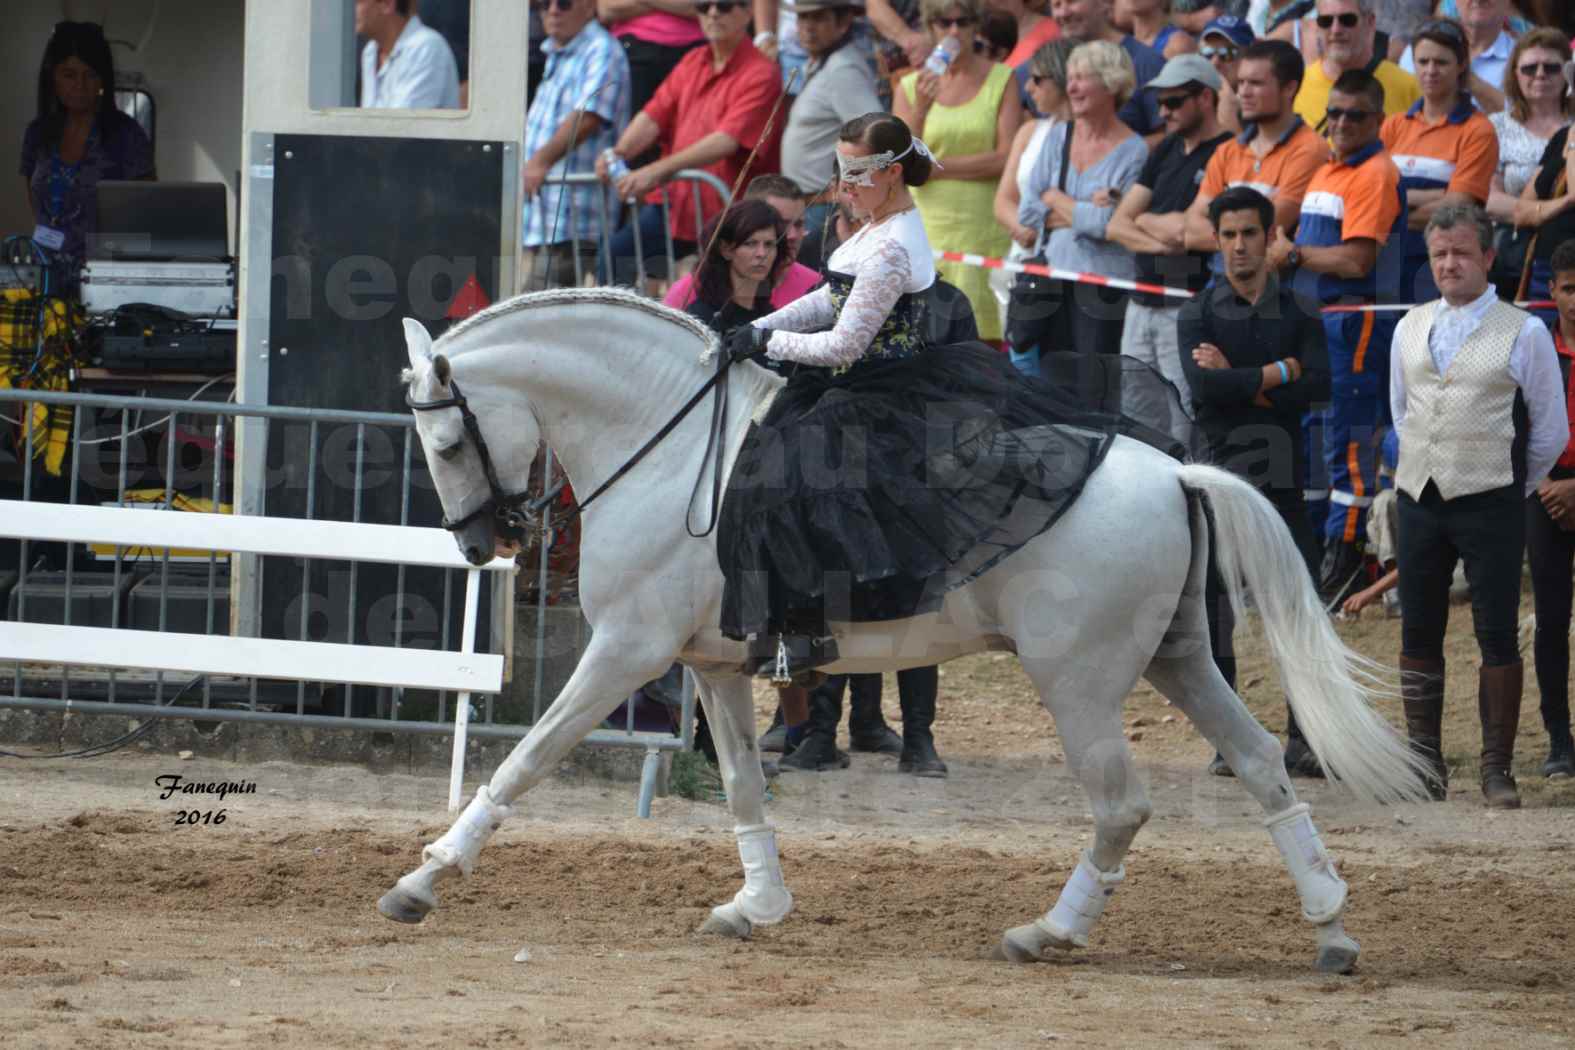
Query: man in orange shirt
[(1276, 154), (1347, 251), (1445, 148)]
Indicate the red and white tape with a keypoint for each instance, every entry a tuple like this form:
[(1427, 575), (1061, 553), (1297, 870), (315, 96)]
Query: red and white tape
[(988, 263)]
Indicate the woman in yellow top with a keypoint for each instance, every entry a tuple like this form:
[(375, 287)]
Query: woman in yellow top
[(968, 117)]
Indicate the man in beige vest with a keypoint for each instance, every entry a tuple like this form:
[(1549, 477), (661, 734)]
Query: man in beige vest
[(1479, 406)]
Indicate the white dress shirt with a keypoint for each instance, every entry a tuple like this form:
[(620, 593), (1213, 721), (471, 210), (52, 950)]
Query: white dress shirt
[(420, 72), (1533, 365)]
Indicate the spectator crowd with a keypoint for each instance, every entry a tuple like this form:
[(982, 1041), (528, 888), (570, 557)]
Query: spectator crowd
[(1268, 183)]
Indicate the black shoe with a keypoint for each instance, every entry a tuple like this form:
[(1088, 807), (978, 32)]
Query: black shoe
[(774, 739), (817, 753), (1561, 760), (1219, 767), (867, 728), (880, 741), (920, 759), (790, 657), (1300, 760), (917, 689)]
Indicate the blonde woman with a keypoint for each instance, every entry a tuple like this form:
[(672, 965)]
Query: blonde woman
[(1538, 102), (1070, 195), (967, 116)]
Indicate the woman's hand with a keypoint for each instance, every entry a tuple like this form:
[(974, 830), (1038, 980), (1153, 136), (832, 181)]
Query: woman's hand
[(926, 87), (916, 46), (1106, 197), (1207, 355), (1527, 213), (1024, 235)]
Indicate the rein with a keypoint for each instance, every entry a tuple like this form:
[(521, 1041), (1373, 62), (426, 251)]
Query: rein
[(513, 513)]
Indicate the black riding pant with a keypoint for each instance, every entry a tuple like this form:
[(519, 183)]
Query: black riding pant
[(1486, 530), (1551, 552)]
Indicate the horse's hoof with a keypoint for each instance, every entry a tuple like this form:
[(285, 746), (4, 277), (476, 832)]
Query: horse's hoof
[(727, 921), (1338, 956), (1028, 944), (405, 905)]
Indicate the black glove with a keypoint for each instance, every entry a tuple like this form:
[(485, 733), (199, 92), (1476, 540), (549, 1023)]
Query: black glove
[(746, 343)]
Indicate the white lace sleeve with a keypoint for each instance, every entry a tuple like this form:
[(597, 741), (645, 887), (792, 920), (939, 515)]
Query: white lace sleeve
[(812, 312), (879, 283)]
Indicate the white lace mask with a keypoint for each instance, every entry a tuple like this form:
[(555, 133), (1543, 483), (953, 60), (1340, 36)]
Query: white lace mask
[(856, 171)]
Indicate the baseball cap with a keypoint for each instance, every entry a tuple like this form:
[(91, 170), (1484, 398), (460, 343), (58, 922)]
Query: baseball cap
[(1236, 30), (1186, 69)]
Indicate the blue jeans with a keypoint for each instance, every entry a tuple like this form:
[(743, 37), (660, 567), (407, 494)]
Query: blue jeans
[(617, 264)]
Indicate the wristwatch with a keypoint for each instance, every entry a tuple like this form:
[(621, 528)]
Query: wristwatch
[(1294, 259), (765, 36)]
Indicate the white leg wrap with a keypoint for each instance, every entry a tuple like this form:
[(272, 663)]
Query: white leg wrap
[(764, 899), (461, 843), (1321, 888), (1082, 901)]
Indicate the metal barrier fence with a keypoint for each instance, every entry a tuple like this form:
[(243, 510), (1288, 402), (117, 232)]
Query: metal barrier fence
[(175, 454), (568, 219)]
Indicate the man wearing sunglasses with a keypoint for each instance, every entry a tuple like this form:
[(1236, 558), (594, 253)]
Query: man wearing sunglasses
[(575, 113), (709, 113), (1222, 42), (1490, 42), (1349, 250), (1150, 219), (1347, 31)]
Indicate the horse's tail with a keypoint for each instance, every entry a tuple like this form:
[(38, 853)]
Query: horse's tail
[(1331, 688)]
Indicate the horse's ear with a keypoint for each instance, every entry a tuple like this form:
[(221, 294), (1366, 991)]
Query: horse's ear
[(440, 370), (419, 342)]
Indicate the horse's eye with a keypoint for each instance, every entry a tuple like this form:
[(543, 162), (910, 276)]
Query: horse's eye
[(448, 452)]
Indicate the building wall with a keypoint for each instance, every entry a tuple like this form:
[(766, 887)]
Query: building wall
[(192, 55)]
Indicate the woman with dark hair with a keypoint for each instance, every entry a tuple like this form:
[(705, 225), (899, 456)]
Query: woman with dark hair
[(886, 471), (733, 282), (77, 140), (1444, 147)]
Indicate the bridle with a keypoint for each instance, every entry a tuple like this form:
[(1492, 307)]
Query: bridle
[(513, 513)]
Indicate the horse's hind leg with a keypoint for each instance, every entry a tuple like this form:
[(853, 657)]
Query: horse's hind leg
[(1184, 673), (764, 899), (1089, 722), (610, 670)]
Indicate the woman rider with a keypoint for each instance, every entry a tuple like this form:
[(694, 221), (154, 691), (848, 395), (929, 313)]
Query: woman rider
[(885, 472)]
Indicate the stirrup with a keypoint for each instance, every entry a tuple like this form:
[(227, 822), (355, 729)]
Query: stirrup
[(792, 658)]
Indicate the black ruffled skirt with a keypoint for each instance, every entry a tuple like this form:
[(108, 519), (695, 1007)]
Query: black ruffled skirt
[(868, 495)]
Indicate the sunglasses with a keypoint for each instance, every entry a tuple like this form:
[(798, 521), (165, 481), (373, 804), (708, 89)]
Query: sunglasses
[(1355, 116), (1547, 69), (721, 7), (1348, 20), (1441, 27), (1169, 102), (1227, 54), (548, 5), (1040, 78), (960, 22)]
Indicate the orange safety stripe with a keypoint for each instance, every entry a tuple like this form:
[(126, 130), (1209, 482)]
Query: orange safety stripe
[(1352, 514), (1362, 340)]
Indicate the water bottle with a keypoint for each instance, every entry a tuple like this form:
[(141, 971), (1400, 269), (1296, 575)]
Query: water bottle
[(941, 58), (617, 167)]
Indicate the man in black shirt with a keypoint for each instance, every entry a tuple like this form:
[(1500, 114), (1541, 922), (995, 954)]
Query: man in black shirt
[(1255, 361), (1149, 222)]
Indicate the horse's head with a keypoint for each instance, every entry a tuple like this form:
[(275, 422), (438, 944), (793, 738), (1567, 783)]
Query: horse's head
[(460, 452)]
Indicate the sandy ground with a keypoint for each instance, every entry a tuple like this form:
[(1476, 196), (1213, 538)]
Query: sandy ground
[(119, 928)]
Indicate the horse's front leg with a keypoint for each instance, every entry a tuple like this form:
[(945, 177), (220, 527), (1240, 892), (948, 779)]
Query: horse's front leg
[(764, 899), (612, 667)]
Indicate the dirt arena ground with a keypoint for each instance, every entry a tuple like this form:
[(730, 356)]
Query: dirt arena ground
[(120, 929)]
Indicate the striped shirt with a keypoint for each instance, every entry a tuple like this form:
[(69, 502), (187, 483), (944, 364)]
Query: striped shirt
[(590, 72)]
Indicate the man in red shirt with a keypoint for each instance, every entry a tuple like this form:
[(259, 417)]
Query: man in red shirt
[(709, 113), (1550, 546)]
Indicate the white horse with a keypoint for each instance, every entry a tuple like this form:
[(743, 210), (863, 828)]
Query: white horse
[(1112, 592)]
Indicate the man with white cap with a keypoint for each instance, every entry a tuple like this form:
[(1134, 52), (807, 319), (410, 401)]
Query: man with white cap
[(1150, 221)]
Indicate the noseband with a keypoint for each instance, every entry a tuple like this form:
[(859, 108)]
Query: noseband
[(513, 514)]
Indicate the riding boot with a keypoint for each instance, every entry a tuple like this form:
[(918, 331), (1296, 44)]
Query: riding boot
[(1498, 702), (1422, 691), (1299, 758), (916, 689), (818, 749), (867, 728)]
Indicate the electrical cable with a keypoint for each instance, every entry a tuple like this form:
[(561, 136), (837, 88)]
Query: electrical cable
[(119, 742)]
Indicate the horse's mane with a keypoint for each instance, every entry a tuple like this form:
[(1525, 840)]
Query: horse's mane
[(602, 296)]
